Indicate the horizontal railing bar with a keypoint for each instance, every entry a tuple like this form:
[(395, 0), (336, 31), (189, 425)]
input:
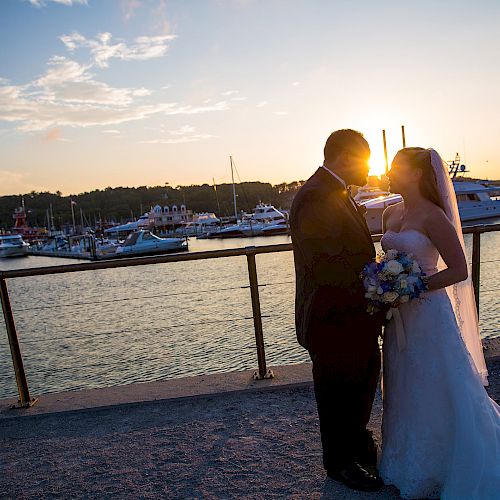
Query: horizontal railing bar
[(181, 257), (142, 261)]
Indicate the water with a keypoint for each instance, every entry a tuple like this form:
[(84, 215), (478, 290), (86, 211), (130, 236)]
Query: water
[(120, 326)]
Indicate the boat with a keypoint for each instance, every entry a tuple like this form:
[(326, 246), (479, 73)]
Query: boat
[(265, 212), (276, 228), (143, 222), (13, 245), (367, 193), (240, 230), (473, 198), (144, 242), (28, 233), (200, 224)]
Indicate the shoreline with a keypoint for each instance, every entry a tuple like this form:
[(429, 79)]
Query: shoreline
[(233, 382)]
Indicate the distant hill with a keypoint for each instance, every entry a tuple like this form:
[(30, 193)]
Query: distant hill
[(123, 203)]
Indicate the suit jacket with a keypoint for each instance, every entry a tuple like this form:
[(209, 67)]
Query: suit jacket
[(331, 245)]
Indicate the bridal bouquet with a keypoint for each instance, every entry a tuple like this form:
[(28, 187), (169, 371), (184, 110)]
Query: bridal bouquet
[(393, 276)]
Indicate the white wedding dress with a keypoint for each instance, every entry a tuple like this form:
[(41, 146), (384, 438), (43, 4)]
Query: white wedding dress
[(441, 431)]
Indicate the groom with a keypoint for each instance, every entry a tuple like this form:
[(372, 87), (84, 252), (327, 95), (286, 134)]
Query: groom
[(331, 245)]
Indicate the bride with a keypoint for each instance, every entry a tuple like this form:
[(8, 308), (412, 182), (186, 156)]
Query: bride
[(441, 431)]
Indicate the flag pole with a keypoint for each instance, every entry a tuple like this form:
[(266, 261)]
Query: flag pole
[(73, 215), (385, 152)]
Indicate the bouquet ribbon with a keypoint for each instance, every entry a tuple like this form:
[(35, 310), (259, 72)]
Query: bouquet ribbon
[(400, 329)]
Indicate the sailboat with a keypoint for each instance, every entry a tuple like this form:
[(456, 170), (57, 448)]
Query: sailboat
[(243, 228)]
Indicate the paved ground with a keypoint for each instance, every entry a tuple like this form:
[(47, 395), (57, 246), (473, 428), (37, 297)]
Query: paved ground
[(254, 444)]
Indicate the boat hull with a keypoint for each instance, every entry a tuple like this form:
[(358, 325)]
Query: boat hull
[(14, 252)]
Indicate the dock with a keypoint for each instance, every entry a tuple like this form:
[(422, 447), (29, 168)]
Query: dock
[(216, 436)]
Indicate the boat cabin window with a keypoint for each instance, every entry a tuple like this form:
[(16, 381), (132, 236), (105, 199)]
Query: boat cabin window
[(467, 197), (147, 236), (131, 239)]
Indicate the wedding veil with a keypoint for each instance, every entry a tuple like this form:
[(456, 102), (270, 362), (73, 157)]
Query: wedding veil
[(461, 294)]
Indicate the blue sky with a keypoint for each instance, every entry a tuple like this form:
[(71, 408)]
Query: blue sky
[(106, 93)]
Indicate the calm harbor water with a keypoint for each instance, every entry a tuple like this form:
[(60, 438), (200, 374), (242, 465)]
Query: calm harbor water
[(120, 326)]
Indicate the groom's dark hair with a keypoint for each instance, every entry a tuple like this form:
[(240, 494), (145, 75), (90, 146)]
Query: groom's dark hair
[(343, 140)]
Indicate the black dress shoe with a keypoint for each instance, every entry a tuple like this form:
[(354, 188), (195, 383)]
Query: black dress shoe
[(356, 477)]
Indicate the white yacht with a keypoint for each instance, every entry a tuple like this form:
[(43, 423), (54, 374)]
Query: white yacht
[(142, 222), (265, 212), (144, 242), (13, 245), (367, 192), (474, 203), (201, 223)]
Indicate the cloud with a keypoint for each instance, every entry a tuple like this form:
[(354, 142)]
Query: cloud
[(54, 134), (261, 104), (68, 93), (129, 7), (102, 48), (230, 92), (69, 3), (112, 131), (159, 13), (48, 102), (295, 84), (280, 113), (182, 135)]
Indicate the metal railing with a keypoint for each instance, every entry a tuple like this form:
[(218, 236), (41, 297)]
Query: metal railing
[(25, 399)]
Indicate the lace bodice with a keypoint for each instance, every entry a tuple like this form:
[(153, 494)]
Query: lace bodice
[(416, 243)]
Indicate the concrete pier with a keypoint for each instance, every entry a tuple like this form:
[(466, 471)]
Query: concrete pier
[(215, 436)]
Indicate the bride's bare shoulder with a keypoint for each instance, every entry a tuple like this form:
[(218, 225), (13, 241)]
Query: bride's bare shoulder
[(434, 216)]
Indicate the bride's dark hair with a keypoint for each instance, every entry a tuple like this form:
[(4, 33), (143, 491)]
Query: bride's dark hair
[(421, 158)]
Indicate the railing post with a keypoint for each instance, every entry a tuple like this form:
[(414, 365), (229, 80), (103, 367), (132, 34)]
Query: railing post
[(257, 318), (25, 400), (476, 265)]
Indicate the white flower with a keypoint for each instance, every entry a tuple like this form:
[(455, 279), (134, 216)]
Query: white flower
[(391, 254), (380, 290), (371, 289), (394, 267), (403, 283), (390, 297), (415, 267)]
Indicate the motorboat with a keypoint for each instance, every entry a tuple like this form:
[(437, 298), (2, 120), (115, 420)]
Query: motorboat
[(144, 242), (276, 228), (367, 193), (473, 198), (200, 225), (240, 230), (375, 208), (265, 212), (475, 201), (13, 245), (143, 222)]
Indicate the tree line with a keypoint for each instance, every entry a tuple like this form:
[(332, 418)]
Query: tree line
[(121, 204)]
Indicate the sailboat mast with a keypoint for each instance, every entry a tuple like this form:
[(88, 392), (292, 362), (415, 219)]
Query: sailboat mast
[(234, 189)]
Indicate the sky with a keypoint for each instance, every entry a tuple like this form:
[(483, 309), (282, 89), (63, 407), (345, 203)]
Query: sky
[(98, 93)]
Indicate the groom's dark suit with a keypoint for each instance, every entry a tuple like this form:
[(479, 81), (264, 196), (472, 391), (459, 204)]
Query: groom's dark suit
[(331, 244)]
